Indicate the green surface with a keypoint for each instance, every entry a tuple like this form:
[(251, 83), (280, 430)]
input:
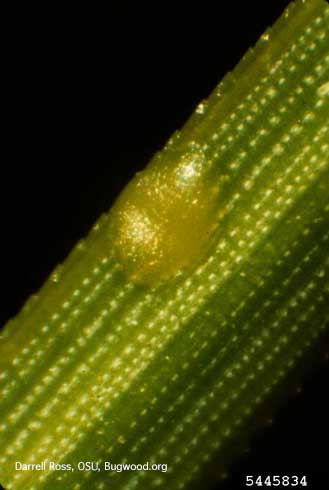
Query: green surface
[(159, 337)]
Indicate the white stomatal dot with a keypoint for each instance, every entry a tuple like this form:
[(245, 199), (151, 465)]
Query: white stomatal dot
[(324, 90)]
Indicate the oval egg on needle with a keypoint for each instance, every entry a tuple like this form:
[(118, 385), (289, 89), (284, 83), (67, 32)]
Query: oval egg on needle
[(163, 220)]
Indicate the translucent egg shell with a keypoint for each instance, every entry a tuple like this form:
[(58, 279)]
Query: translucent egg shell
[(162, 222)]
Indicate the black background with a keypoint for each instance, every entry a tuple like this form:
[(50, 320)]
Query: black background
[(89, 97)]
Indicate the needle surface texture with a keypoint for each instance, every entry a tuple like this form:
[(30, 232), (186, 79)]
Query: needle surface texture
[(190, 302)]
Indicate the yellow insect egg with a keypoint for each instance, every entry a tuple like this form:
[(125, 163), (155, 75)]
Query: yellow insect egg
[(163, 220)]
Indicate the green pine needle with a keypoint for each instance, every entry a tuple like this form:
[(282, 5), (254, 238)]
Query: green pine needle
[(193, 299)]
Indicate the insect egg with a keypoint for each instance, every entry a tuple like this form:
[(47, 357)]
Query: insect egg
[(162, 222)]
